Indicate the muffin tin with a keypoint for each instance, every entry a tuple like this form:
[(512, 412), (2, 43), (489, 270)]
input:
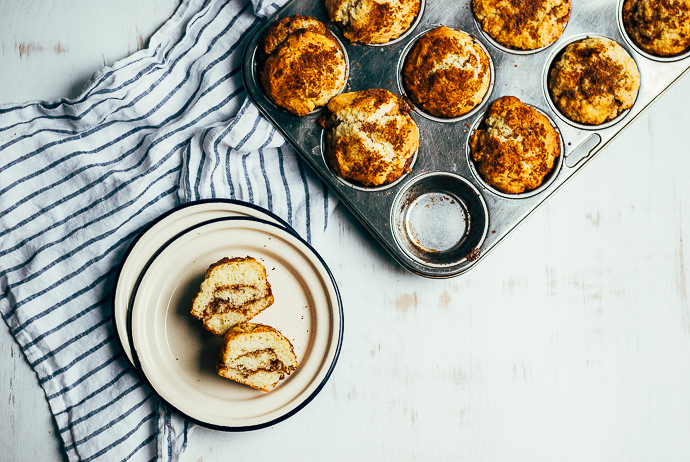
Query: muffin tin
[(441, 219)]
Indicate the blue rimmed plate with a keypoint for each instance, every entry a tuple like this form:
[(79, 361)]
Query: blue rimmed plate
[(157, 234), (177, 356)]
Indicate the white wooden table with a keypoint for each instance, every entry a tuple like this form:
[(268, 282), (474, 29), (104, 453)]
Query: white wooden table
[(569, 342)]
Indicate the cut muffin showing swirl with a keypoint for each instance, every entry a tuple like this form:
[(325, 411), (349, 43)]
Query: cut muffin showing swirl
[(522, 25), (256, 355), (370, 138), (234, 290), (594, 81), (303, 64), (373, 21), (516, 148), (446, 73)]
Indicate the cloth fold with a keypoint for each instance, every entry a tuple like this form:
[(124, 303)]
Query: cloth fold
[(80, 178)]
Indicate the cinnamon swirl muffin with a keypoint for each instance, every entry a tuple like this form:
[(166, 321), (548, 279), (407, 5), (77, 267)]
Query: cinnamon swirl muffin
[(593, 81), (516, 147), (659, 27), (446, 73), (523, 25), (303, 64), (256, 355), (370, 138), (373, 21), (233, 290)]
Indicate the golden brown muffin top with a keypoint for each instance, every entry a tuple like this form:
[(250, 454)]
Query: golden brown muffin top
[(305, 65), (373, 21), (659, 27), (523, 24), (517, 147), (283, 28), (593, 81), (370, 138), (446, 73)]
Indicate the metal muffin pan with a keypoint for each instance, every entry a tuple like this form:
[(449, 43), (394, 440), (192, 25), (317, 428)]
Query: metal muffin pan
[(440, 220)]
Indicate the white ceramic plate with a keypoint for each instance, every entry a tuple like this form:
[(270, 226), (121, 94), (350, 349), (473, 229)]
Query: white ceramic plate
[(177, 356), (157, 234)]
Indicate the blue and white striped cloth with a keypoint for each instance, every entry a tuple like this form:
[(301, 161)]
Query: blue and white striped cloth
[(80, 178)]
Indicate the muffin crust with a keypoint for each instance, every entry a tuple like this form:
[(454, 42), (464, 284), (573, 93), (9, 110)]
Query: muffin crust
[(370, 138), (373, 21), (517, 148), (659, 27), (304, 65), (520, 24), (594, 81), (446, 73)]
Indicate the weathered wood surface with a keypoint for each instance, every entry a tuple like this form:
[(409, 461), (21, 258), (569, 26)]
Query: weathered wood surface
[(569, 342)]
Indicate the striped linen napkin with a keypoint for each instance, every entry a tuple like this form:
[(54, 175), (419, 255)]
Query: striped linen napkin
[(80, 178)]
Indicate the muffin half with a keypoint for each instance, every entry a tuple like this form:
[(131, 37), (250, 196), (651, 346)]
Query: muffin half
[(446, 73), (594, 81), (256, 355), (370, 139), (303, 64), (233, 290), (516, 147)]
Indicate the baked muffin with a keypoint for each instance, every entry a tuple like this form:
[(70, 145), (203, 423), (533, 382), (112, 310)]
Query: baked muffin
[(256, 355), (234, 290), (516, 147), (370, 138), (303, 64), (373, 21), (522, 25), (593, 81), (446, 73), (659, 27)]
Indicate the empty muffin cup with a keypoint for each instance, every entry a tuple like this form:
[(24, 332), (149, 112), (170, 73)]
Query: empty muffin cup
[(665, 32), (446, 74), (440, 219), (591, 82), (519, 177)]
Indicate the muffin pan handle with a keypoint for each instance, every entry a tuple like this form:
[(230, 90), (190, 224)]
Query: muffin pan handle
[(583, 150)]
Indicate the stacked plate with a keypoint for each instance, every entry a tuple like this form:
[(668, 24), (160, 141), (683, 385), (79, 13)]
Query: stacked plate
[(158, 279)]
